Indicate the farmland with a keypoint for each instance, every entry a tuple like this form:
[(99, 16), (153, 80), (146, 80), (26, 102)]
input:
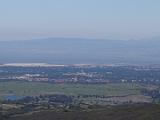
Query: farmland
[(22, 88)]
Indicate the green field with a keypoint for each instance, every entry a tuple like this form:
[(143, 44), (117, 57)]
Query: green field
[(36, 88)]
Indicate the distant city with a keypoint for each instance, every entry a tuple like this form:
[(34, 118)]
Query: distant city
[(80, 73)]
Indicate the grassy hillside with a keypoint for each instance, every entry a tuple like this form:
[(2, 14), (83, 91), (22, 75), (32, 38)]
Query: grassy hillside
[(127, 112)]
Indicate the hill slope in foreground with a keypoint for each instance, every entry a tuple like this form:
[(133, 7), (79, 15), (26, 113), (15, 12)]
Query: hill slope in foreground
[(125, 112)]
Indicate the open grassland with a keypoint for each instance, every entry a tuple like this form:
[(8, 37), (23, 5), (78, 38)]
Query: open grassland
[(36, 88)]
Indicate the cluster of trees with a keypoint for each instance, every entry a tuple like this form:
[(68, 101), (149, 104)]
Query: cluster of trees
[(54, 98), (155, 94)]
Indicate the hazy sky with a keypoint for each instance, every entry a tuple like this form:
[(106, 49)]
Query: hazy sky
[(115, 19)]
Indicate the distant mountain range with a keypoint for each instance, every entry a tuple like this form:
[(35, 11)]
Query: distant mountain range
[(81, 51)]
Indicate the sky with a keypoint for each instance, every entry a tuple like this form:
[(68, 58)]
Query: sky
[(107, 19)]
